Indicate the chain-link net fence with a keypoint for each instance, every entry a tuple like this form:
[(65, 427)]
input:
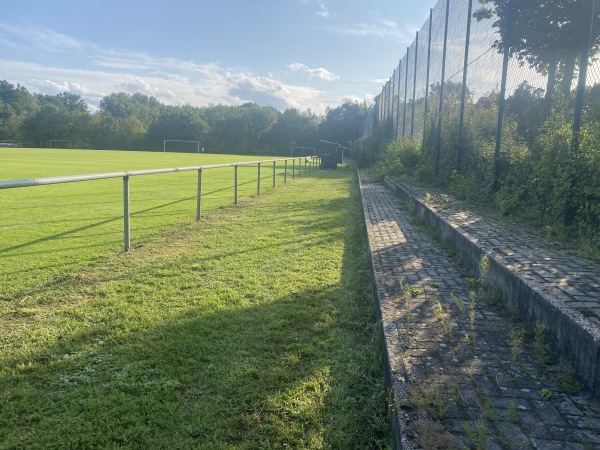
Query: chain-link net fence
[(504, 94)]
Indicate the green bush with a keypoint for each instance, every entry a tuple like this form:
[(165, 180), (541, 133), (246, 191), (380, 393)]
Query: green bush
[(540, 178)]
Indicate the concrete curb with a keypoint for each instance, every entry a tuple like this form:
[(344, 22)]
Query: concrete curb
[(387, 335)]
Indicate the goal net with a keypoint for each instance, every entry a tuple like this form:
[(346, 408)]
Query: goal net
[(177, 145)]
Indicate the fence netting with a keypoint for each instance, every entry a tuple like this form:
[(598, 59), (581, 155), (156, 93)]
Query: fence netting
[(501, 91)]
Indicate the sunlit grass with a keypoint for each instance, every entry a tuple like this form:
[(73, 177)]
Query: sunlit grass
[(251, 329), (45, 230)]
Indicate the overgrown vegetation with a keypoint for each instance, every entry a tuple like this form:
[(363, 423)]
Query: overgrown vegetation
[(252, 329), (541, 181)]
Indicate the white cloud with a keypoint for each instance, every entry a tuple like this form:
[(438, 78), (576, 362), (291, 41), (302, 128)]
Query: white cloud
[(369, 99), (384, 29), (323, 10), (44, 39), (95, 72), (209, 85), (320, 73)]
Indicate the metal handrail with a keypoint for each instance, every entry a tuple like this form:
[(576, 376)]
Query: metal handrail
[(29, 182)]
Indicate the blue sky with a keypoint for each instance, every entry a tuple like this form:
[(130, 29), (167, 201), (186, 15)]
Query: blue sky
[(283, 53)]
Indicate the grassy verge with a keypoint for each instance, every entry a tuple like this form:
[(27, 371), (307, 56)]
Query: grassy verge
[(252, 329)]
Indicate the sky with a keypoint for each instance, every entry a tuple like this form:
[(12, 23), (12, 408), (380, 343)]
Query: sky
[(282, 53)]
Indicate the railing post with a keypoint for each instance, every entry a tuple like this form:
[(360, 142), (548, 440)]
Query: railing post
[(258, 183), (274, 169), (304, 166), (235, 184), (293, 169), (126, 225), (285, 172), (199, 199)]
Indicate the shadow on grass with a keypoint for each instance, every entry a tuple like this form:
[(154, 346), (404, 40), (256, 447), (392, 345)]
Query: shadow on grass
[(233, 370), (259, 376), (76, 230)]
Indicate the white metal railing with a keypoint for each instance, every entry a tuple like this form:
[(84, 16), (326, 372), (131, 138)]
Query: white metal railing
[(310, 163)]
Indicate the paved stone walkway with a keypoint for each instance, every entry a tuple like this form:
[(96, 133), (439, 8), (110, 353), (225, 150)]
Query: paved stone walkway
[(464, 374), (573, 278)]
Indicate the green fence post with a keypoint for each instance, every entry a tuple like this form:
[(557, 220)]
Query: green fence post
[(285, 172)]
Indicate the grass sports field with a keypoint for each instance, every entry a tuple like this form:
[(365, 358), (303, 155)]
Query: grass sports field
[(47, 229), (251, 329)]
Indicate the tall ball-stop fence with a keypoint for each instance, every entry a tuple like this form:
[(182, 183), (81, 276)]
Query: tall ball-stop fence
[(504, 94)]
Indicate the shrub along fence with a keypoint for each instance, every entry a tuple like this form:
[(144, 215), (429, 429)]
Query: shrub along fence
[(295, 165), (504, 98)]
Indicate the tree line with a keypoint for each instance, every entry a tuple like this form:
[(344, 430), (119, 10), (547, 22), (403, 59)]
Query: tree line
[(139, 121)]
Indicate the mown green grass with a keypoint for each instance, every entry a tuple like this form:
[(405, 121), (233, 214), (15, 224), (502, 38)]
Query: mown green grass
[(251, 329), (45, 230)]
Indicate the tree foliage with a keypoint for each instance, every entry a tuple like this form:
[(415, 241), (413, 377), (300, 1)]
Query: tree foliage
[(137, 120), (546, 34)]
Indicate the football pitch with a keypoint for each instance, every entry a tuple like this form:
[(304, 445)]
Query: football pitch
[(45, 230)]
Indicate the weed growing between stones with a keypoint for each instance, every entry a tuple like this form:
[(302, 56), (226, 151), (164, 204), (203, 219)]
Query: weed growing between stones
[(458, 301), (428, 200), (432, 435), (511, 412), (442, 315), (540, 348), (516, 336), (484, 270), (426, 396), (472, 304), (478, 434)]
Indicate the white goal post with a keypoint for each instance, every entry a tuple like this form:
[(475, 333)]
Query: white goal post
[(52, 142), (180, 140)]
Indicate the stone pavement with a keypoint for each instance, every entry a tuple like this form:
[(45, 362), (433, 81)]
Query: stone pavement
[(462, 372)]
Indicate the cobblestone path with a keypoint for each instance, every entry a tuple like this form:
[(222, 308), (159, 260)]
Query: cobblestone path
[(463, 373), (572, 278)]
